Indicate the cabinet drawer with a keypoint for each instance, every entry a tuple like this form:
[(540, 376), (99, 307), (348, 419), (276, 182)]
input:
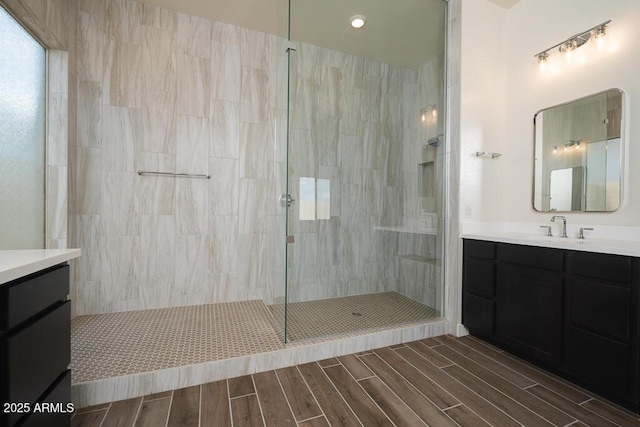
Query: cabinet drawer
[(479, 249), (478, 315), (37, 355), (612, 268), (599, 361), (59, 394), (26, 297), (480, 278), (600, 308), (531, 256)]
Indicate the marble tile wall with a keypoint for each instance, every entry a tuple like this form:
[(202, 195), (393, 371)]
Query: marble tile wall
[(57, 149), (163, 91), (452, 159), (356, 123)]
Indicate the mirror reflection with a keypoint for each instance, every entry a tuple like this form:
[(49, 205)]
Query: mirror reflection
[(567, 189), (578, 155)]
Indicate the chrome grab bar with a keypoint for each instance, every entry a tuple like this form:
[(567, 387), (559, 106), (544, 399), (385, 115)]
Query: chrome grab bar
[(174, 175)]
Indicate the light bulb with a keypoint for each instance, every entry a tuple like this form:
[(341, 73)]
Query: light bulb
[(568, 56), (358, 21), (599, 35), (555, 149), (568, 49), (434, 113), (424, 118), (542, 61)]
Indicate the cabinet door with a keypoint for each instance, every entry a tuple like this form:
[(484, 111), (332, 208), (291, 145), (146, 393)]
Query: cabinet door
[(478, 315), (599, 341), (529, 315)]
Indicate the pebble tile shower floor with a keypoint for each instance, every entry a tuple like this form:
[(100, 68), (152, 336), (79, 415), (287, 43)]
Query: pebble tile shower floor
[(335, 316), (118, 344)]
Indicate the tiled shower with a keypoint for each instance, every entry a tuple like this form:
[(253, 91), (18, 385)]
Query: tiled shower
[(159, 90)]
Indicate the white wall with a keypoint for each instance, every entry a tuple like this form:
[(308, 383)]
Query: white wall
[(497, 110), (483, 108)]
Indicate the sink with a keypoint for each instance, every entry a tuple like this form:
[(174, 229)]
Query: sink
[(544, 238)]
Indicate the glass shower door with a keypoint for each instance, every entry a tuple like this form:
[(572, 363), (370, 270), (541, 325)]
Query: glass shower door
[(283, 197), (364, 192)]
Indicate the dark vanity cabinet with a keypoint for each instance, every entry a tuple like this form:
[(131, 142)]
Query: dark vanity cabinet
[(479, 296), (35, 343), (574, 313), (601, 323)]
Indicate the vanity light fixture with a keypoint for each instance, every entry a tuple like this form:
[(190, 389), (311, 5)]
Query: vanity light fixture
[(568, 46), (358, 21), (566, 145)]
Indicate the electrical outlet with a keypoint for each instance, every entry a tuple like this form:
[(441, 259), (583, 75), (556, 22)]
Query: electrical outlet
[(468, 211)]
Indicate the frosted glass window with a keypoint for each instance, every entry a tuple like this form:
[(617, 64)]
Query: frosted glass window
[(22, 137)]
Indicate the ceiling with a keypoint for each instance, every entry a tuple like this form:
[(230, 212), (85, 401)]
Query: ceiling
[(405, 33)]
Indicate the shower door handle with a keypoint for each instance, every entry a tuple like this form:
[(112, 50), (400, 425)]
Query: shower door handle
[(286, 200)]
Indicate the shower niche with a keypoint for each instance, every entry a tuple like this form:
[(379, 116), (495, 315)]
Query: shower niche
[(429, 139)]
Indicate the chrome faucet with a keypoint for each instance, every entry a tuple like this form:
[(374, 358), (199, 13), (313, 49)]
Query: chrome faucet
[(564, 224), (582, 230), (548, 228)]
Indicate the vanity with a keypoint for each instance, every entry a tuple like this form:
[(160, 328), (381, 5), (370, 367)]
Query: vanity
[(567, 304), (561, 305), (35, 337)]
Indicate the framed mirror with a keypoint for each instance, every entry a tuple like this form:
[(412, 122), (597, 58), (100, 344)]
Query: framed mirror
[(578, 155)]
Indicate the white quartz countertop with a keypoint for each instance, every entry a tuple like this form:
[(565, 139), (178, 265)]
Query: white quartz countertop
[(15, 264), (604, 246)]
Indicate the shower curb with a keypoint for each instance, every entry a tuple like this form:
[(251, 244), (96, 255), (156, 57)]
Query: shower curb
[(135, 385)]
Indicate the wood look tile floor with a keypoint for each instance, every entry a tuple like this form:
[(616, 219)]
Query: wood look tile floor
[(442, 381)]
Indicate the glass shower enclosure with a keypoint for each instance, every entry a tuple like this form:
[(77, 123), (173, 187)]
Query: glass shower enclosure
[(358, 175)]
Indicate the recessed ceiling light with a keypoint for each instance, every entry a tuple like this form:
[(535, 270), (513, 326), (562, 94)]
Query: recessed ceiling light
[(358, 21)]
